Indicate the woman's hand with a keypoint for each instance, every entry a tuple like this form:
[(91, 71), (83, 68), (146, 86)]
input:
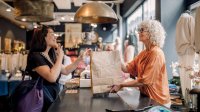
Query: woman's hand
[(87, 52), (59, 51), (115, 88)]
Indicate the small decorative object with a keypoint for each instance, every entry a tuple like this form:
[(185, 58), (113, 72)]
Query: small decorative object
[(100, 44), (174, 66), (194, 74), (94, 37), (87, 38), (196, 79), (72, 84)]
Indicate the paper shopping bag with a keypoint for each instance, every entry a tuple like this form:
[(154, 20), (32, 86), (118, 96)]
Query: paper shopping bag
[(105, 70)]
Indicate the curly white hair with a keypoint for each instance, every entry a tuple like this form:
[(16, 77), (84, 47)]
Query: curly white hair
[(156, 31)]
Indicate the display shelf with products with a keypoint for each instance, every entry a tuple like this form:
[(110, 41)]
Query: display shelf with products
[(84, 46), (72, 51)]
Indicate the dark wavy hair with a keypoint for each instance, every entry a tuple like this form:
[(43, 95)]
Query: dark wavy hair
[(38, 42)]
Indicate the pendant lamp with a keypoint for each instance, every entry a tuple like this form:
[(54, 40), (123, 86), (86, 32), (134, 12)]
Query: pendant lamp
[(34, 10), (95, 12)]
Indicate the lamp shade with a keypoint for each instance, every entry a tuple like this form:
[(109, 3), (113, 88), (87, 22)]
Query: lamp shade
[(34, 10), (95, 12)]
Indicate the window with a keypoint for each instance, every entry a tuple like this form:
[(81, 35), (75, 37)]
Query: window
[(115, 35), (143, 12), (134, 19), (149, 9)]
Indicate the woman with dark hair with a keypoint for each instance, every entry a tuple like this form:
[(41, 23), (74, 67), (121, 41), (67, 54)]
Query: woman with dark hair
[(45, 61)]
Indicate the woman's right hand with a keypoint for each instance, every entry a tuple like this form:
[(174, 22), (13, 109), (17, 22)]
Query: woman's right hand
[(59, 51), (115, 88)]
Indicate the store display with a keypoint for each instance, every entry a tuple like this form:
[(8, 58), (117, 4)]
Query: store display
[(85, 82), (72, 83), (95, 36)]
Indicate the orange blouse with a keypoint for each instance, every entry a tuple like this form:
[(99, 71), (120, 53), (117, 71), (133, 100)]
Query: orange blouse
[(150, 68)]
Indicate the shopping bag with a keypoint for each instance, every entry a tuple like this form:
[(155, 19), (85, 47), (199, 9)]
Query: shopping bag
[(28, 96), (105, 70)]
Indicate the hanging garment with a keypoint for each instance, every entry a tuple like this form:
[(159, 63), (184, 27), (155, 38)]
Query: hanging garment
[(186, 61), (185, 35), (185, 48), (197, 31), (14, 62), (20, 63), (4, 62), (9, 62), (24, 62)]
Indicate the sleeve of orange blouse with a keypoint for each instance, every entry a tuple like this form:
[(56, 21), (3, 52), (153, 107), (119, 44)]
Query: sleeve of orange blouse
[(153, 69), (131, 67)]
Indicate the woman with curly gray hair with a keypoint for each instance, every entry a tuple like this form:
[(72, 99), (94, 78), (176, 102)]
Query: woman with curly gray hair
[(149, 66)]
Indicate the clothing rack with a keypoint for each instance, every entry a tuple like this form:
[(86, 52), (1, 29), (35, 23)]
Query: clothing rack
[(13, 61)]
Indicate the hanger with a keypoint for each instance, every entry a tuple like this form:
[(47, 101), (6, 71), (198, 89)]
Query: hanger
[(188, 12)]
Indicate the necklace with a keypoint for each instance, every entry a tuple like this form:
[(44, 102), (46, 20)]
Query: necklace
[(47, 57)]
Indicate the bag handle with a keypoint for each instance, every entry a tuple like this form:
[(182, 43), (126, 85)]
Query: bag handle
[(38, 83), (24, 73)]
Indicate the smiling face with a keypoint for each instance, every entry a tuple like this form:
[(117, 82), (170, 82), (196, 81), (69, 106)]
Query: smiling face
[(51, 39)]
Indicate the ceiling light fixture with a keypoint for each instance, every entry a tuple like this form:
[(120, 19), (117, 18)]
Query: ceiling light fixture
[(23, 19), (95, 12), (34, 10)]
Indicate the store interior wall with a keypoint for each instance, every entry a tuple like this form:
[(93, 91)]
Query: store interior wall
[(10, 30), (169, 15)]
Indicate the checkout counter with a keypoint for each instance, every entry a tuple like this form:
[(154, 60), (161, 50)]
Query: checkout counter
[(128, 100)]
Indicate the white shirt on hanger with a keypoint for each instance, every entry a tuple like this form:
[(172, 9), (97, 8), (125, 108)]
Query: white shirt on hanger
[(185, 35)]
